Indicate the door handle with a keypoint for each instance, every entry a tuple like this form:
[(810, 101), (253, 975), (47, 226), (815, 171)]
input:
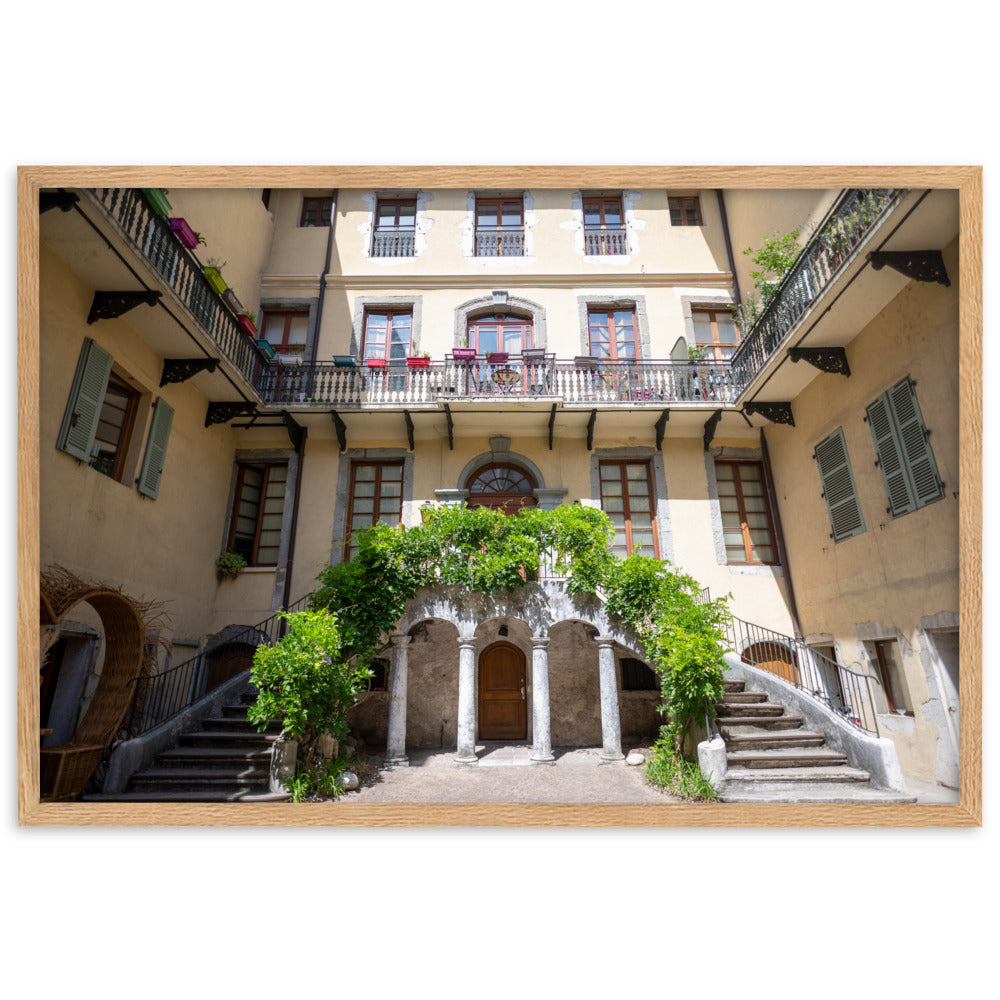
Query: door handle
[(522, 692)]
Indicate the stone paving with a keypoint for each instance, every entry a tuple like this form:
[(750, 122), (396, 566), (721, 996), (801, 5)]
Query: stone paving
[(505, 774)]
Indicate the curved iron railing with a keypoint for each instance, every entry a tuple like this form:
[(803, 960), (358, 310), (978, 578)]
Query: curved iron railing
[(845, 691), (844, 229)]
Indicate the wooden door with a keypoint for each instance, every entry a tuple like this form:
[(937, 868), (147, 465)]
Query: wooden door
[(503, 713), (774, 658), (227, 662)]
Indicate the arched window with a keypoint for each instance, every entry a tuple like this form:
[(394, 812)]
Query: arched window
[(500, 333), (501, 485)]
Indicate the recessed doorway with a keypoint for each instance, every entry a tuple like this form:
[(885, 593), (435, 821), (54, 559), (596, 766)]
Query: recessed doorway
[(503, 713)]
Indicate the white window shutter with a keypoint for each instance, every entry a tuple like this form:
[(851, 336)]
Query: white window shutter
[(156, 450), (86, 398)]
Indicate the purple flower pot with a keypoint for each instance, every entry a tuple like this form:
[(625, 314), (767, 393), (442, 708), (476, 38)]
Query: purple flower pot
[(184, 233)]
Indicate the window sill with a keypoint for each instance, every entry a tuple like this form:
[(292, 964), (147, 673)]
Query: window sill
[(259, 569)]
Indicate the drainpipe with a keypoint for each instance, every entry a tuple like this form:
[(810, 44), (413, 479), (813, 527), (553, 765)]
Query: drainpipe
[(293, 530), (793, 608), (729, 244)]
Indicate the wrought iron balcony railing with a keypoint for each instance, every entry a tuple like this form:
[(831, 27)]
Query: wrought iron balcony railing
[(496, 244), (392, 243), (152, 237), (638, 383), (605, 241), (822, 258)]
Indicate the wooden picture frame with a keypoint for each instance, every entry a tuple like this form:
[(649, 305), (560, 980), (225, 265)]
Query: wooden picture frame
[(967, 180)]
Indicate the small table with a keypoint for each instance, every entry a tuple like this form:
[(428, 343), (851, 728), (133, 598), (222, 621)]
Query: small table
[(506, 378)]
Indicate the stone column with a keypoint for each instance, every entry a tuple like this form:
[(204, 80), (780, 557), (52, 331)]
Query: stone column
[(395, 750), (611, 723), (541, 715), (466, 756)]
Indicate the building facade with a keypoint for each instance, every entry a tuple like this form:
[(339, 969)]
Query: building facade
[(266, 372)]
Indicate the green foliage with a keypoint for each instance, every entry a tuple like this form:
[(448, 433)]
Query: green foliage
[(676, 776), (319, 782), (774, 259), (304, 682), (229, 565)]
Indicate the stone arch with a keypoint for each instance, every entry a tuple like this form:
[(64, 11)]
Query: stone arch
[(514, 304), (499, 456)]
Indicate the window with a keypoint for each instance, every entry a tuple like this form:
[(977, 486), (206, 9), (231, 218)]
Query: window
[(502, 486), (499, 227), (376, 498), (286, 332), (747, 529), (839, 491), (603, 225), (627, 498), (100, 416), (258, 510), (685, 211), (638, 676), (379, 680), (315, 211), (489, 334), (612, 334), (387, 335), (715, 332), (395, 226), (890, 667), (904, 454)]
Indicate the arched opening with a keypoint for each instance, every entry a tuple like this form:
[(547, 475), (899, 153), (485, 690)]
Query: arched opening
[(774, 657), (506, 333), (501, 485)]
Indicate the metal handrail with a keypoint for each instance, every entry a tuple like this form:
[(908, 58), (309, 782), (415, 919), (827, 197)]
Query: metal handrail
[(845, 691), (845, 227)]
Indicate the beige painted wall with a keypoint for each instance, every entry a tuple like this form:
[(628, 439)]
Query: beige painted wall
[(900, 569)]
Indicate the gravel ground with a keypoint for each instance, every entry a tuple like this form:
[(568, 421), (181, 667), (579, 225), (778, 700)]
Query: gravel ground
[(504, 774)]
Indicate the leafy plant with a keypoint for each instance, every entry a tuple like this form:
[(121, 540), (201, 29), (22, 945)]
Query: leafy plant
[(250, 315), (305, 682), (229, 565), (774, 259), (319, 782), (678, 777)]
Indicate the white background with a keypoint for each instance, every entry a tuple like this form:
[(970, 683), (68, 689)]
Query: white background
[(471, 913)]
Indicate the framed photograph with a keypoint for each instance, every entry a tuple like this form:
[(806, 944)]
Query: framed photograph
[(500, 496)]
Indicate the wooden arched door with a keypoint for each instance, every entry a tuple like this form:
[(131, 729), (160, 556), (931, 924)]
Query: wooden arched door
[(773, 657), (503, 712)]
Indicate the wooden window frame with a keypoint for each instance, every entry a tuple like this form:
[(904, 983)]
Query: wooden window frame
[(612, 357), (382, 203), (744, 526), (678, 203), (621, 463), (883, 670), (526, 324), (234, 512), (715, 346), (322, 205), (604, 199), (379, 464), (388, 314), (125, 431), (498, 202), (284, 347)]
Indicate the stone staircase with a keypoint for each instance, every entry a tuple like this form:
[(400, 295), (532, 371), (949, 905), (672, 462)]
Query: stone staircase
[(770, 757), (226, 760)]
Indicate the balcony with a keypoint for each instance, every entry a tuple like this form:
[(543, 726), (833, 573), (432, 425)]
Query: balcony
[(825, 258), (393, 243), (613, 242), (616, 385), (498, 244)]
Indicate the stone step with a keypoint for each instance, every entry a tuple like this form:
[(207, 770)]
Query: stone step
[(235, 711), (742, 698), (212, 757), (765, 708), (243, 741), (198, 779), (728, 723), (733, 685), (785, 758), (762, 777), (215, 795), (237, 724), (832, 792), (773, 741)]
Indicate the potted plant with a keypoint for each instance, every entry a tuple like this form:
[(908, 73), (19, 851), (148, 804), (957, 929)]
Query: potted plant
[(419, 361), (229, 297), (375, 362), (247, 319), (229, 566), (157, 199), (185, 233), (464, 353), (213, 272), (267, 348), (344, 360)]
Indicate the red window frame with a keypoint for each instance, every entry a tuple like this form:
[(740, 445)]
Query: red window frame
[(387, 343), (612, 341), (625, 494), (523, 326), (715, 348), (375, 514), (283, 346), (316, 211), (681, 207), (267, 471), (749, 547), (118, 388)]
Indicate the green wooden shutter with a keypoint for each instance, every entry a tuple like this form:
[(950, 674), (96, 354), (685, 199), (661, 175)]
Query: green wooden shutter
[(839, 490), (890, 457), (156, 450), (86, 398), (923, 472)]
